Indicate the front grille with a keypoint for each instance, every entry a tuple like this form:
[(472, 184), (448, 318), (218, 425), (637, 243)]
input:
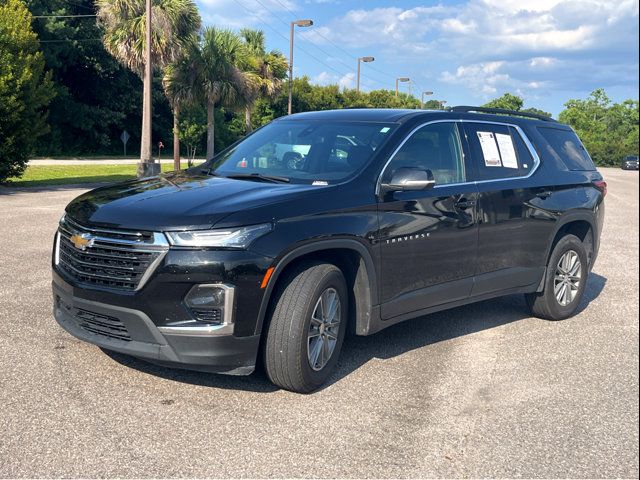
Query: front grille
[(97, 323), (110, 259)]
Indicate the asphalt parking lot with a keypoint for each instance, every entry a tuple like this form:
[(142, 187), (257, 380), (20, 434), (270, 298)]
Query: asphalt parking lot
[(479, 391)]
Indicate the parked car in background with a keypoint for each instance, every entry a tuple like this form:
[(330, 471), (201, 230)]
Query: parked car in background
[(326, 222), (630, 162)]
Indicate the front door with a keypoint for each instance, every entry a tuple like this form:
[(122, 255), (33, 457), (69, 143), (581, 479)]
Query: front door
[(428, 238)]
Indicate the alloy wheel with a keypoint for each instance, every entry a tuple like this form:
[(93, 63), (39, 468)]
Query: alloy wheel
[(567, 278), (323, 329)]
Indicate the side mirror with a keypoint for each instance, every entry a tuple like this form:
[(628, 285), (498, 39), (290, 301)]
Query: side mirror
[(406, 179)]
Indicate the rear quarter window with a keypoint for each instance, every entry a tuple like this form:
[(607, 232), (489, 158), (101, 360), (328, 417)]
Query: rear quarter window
[(565, 146)]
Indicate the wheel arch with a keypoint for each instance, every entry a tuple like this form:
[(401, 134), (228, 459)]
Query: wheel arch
[(357, 264), (580, 224)]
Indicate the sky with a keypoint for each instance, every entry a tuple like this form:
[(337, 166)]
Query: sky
[(466, 52)]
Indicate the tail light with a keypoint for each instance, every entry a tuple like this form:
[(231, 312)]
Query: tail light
[(602, 186)]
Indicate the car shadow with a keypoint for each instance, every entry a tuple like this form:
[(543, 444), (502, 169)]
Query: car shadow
[(389, 343)]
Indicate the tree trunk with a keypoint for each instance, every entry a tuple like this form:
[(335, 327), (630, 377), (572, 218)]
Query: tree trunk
[(247, 119), (146, 154), (176, 138), (210, 130)]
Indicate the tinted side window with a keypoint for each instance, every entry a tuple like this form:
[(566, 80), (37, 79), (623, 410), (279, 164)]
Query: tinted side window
[(499, 151), (434, 147), (566, 147)]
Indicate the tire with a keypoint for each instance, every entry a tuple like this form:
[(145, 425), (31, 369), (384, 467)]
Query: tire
[(552, 304), (291, 344)]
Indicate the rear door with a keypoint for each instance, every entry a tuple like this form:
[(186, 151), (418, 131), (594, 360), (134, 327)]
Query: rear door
[(428, 238), (511, 233)]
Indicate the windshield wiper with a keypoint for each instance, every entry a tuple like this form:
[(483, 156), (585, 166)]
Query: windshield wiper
[(259, 176)]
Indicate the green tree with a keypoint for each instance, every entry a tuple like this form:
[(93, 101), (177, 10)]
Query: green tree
[(219, 78), (25, 88), (537, 111), (96, 98), (179, 82), (507, 101), (609, 131), (174, 23), (191, 135), (388, 99), (266, 71), (433, 105)]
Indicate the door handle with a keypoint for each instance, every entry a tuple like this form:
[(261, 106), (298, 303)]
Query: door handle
[(544, 194), (463, 204)]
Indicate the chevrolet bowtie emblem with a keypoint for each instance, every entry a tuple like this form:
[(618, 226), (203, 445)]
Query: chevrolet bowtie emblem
[(82, 241)]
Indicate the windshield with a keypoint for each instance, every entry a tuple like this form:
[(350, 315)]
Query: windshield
[(304, 152)]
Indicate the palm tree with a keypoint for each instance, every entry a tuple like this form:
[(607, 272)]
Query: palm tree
[(267, 71), (220, 80), (174, 23), (179, 82)]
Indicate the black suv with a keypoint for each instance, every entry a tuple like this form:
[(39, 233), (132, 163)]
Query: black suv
[(326, 222)]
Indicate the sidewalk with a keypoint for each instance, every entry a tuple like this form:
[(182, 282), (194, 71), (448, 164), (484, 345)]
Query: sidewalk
[(100, 161)]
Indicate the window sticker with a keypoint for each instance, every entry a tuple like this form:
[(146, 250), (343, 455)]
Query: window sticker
[(507, 151), (489, 149), (385, 129)]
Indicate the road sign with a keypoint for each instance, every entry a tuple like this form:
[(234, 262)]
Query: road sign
[(125, 138)]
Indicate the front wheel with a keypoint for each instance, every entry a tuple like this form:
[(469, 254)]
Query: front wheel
[(307, 327), (565, 282)]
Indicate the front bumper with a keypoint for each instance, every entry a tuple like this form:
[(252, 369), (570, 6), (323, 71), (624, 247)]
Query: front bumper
[(630, 166), (132, 332)]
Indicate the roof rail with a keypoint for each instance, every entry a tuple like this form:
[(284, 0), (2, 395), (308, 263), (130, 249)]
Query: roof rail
[(466, 108)]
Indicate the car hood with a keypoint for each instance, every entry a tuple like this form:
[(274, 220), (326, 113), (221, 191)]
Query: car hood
[(177, 201)]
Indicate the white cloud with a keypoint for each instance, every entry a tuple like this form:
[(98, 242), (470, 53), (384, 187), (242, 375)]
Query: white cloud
[(325, 78), (393, 26), (493, 45), (542, 62), (348, 81), (490, 78), (344, 81)]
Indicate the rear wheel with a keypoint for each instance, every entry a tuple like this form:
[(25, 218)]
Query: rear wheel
[(307, 327), (565, 282)]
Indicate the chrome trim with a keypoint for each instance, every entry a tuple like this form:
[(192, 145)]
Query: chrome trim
[(101, 230), (225, 328), (525, 139), (159, 242), (56, 255), (200, 331)]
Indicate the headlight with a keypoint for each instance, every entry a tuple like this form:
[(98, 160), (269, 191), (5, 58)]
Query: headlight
[(224, 238)]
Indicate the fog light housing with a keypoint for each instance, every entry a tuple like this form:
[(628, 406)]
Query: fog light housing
[(211, 303)]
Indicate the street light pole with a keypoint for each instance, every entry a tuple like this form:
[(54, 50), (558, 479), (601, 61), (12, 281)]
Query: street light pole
[(422, 99), (299, 23), (366, 60), (401, 79)]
